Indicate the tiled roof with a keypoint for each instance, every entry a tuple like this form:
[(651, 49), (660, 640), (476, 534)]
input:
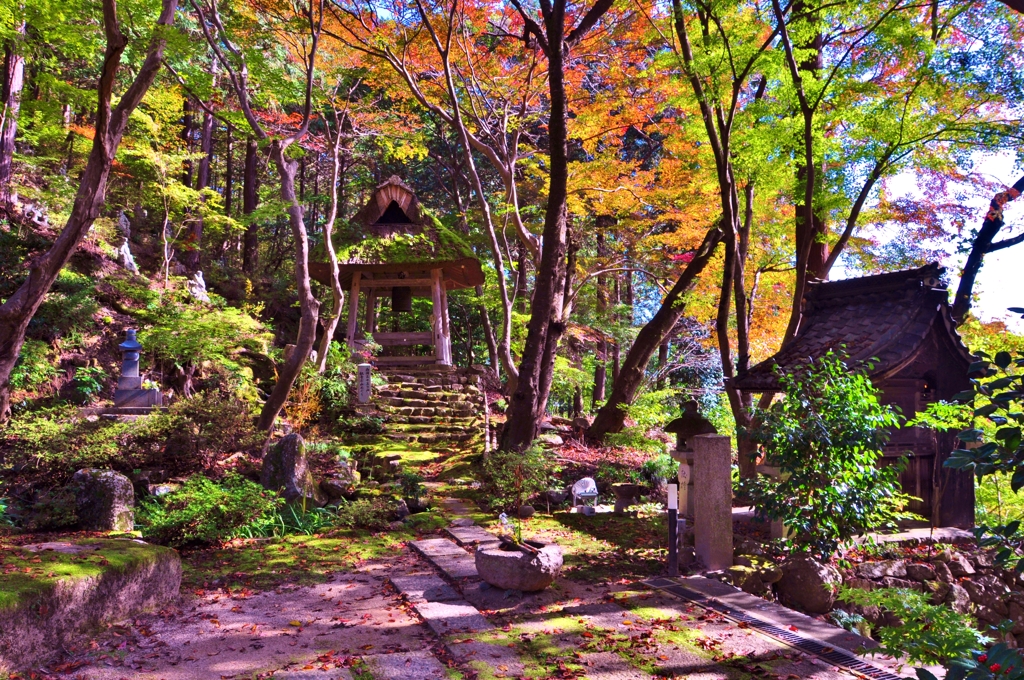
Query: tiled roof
[(881, 320)]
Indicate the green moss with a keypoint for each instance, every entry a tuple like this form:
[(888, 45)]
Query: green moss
[(436, 243), (25, 576), (304, 560)]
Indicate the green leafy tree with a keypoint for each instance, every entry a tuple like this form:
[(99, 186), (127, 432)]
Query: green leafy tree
[(826, 437)]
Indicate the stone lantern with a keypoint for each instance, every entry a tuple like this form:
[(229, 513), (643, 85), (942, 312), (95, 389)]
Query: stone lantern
[(685, 427), (129, 393)]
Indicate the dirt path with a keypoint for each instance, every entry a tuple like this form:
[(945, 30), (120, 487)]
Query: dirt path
[(316, 631)]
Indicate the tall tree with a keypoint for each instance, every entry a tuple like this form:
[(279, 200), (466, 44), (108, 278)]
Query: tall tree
[(111, 122), (528, 403), (235, 64), (10, 94)]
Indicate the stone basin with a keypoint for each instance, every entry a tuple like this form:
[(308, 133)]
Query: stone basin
[(625, 495), (513, 569)]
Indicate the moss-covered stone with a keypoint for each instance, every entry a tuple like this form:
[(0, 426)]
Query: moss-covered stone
[(104, 500), (49, 592)]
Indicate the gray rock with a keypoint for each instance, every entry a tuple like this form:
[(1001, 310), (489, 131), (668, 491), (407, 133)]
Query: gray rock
[(286, 471), (987, 615), (341, 484), (463, 522), (808, 585), (891, 582), (959, 567), (104, 500), (767, 571), (938, 591), (581, 423), (748, 546), (942, 572), (981, 560), (518, 570), (550, 439), (1016, 614), (402, 510), (861, 584), (526, 511), (746, 579), (921, 572), (958, 599), (988, 592), (877, 570)]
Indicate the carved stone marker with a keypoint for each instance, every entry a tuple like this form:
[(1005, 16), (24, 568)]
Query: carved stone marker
[(712, 516), (365, 386)]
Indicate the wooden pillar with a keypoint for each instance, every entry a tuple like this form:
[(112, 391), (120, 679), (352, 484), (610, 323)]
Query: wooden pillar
[(371, 311), (353, 311), (436, 322), (445, 327)]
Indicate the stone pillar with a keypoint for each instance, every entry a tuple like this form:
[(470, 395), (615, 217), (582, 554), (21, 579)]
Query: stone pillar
[(365, 385), (712, 519)]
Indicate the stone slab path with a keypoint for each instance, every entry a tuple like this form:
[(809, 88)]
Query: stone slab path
[(622, 635)]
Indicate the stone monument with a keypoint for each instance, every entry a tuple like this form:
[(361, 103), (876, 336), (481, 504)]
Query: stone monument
[(129, 393), (712, 519)]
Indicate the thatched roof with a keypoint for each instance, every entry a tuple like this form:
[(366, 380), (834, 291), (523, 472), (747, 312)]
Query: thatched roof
[(399, 236)]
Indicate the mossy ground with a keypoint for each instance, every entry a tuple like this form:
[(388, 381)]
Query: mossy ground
[(25, 575)]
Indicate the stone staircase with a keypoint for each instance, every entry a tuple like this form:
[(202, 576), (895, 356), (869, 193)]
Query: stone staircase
[(431, 405)]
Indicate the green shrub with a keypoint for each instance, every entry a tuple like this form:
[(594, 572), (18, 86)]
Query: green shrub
[(660, 467), (87, 384), (612, 473), (372, 514), (206, 512), (412, 485), (51, 444), (67, 308), (511, 478), (927, 633), (826, 437), (34, 368)]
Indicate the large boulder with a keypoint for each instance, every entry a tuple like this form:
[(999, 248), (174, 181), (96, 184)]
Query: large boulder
[(104, 500), (808, 585), (286, 471), (514, 569)]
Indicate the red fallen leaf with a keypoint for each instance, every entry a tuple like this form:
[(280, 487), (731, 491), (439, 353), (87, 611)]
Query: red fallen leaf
[(794, 628), (587, 634)]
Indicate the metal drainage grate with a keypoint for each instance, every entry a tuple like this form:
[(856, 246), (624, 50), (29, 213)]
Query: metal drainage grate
[(837, 657)]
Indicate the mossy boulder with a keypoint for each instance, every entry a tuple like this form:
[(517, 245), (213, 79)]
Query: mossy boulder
[(104, 500), (286, 471), (50, 592)]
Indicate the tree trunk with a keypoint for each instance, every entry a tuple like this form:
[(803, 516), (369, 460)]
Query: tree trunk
[(983, 245), (250, 200), (14, 81), (601, 369), (192, 257), (19, 309), (229, 175), (546, 308), (187, 128), (492, 343), (337, 294), (611, 417), (662, 362), (308, 305)]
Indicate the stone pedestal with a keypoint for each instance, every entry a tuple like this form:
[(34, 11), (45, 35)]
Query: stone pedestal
[(712, 517), (685, 477)]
